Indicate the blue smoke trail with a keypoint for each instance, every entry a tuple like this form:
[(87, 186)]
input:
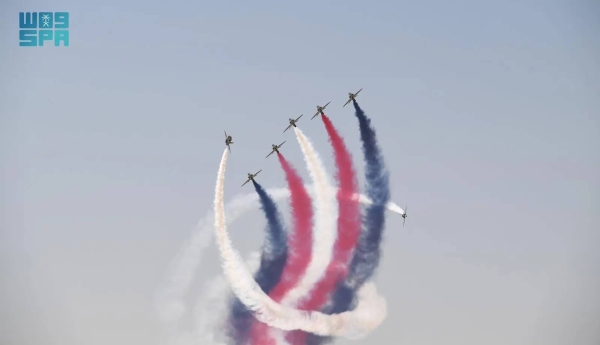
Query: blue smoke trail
[(273, 257), (368, 249)]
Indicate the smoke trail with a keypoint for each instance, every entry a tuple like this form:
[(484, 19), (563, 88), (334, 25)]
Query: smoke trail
[(348, 228), (170, 295), (368, 315), (368, 250), (273, 259), (324, 233), (299, 241)]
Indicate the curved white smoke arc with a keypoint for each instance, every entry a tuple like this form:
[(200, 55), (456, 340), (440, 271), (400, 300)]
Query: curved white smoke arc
[(324, 229), (170, 299), (171, 295), (353, 324)]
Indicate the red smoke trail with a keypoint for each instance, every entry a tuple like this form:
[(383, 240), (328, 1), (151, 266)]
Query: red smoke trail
[(299, 244), (348, 230)]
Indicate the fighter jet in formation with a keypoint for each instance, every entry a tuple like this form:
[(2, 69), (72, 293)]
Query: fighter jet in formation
[(352, 96), (320, 110), (275, 149), (228, 141), (251, 177), (293, 123)]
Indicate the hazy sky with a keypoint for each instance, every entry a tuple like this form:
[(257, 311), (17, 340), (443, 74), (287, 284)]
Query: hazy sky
[(488, 113)]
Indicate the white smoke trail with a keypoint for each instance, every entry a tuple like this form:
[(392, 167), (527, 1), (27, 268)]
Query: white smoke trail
[(170, 299), (171, 295), (369, 314), (324, 230)]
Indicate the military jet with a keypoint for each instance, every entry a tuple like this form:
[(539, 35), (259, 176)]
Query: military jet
[(293, 123), (275, 149), (404, 215), (320, 110), (228, 141), (251, 177), (352, 96)]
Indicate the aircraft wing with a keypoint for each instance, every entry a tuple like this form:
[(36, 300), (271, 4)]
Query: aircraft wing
[(356, 94), (257, 172), (229, 147), (225, 134), (315, 115), (325, 106), (346, 103), (299, 117), (288, 127), (270, 154), (248, 180), (282, 143)]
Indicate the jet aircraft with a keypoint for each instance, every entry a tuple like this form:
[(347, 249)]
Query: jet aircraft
[(404, 215), (251, 177), (320, 110), (352, 96), (293, 123), (228, 141), (275, 149)]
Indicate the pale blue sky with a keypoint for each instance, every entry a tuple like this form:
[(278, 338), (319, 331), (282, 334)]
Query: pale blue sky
[(488, 113)]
